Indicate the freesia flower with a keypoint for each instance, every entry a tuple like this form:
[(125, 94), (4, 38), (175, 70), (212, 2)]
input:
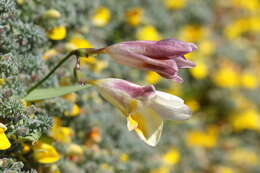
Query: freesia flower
[(144, 107), (165, 57)]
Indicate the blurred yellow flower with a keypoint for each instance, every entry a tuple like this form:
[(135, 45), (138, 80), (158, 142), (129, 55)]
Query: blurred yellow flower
[(171, 157), (192, 33), (224, 169), (152, 77), (77, 42), (75, 111), (26, 148), (123, 157), (101, 16), (206, 47), (71, 97), (94, 65), (200, 71), (175, 4), (75, 149), (249, 81), (242, 25), (248, 119), (2, 81), (206, 139), (252, 5), (52, 13), (45, 153), (243, 156), (49, 53), (57, 33), (134, 16), (226, 77), (60, 133), (4, 141), (148, 32), (163, 169), (193, 104), (20, 2)]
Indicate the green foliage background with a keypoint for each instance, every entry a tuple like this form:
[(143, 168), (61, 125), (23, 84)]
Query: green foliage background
[(24, 39)]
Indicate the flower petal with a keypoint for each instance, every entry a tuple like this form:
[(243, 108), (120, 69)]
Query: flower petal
[(149, 125), (169, 107)]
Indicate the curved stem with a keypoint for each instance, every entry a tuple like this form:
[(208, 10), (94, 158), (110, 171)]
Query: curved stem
[(78, 52)]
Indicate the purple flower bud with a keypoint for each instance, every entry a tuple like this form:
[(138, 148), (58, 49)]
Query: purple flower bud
[(165, 57)]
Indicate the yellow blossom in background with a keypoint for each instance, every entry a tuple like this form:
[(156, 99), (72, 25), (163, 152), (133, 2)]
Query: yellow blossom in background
[(49, 53), (78, 42), (2, 81), (57, 33), (123, 157), (193, 104), (20, 2), (4, 141), (176, 89), (101, 16), (54, 169), (171, 157), (71, 97), (163, 169), (207, 139), (254, 23), (52, 13), (242, 156), (226, 77), (175, 4), (134, 16), (224, 169), (192, 33), (206, 47), (148, 32), (200, 71), (26, 148), (251, 5), (152, 77), (45, 153), (236, 28), (94, 64), (60, 133), (75, 149), (242, 25), (75, 111), (249, 81), (248, 119)]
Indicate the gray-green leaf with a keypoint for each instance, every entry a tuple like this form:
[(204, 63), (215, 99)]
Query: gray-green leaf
[(41, 94)]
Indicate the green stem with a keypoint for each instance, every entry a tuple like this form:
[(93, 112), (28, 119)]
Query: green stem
[(78, 52)]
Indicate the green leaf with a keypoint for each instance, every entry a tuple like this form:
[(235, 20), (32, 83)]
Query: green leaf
[(41, 94)]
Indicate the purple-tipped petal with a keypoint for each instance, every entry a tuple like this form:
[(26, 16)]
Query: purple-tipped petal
[(182, 62)]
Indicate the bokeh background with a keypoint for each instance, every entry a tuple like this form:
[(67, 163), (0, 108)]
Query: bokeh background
[(81, 132)]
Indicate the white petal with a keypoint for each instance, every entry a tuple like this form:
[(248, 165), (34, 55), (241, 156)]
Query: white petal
[(169, 107)]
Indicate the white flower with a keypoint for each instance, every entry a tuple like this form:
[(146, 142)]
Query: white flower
[(144, 107)]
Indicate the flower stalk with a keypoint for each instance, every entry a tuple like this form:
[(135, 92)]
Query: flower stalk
[(83, 52)]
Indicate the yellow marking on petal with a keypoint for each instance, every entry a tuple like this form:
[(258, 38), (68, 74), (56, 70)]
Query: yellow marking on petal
[(131, 123)]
